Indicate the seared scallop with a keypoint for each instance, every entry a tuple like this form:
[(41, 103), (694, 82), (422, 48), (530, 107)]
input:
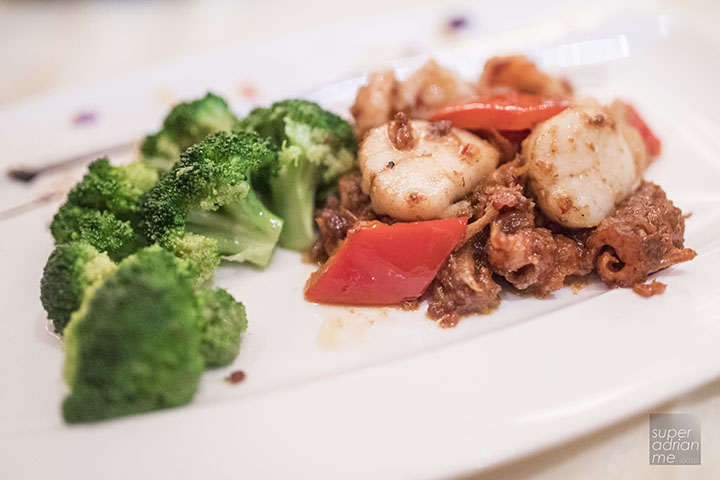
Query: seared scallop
[(415, 170), (580, 165)]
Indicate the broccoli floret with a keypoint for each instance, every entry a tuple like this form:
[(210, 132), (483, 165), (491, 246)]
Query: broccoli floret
[(71, 272), (115, 189), (222, 321), (134, 345), (159, 152), (206, 208), (315, 148), (186, 124), (101, 229), (103, 209), (200, 251)]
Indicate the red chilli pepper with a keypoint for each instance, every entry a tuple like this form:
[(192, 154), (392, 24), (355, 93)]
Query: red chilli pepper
[(380, 264), (514, 111)]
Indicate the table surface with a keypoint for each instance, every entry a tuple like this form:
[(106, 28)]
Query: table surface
[(49, 46)]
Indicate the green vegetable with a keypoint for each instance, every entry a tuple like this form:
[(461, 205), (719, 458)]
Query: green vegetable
[(71, 271), (116, 189), (101, 229), (222, 323), (206, 207), (186, 124), (103, 209), (134, 344), (315, 148)]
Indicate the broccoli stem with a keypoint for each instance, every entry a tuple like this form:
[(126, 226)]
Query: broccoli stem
[(245, 230), (293, 194)]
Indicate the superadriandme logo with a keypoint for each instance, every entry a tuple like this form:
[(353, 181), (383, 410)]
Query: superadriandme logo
[(674, 439)]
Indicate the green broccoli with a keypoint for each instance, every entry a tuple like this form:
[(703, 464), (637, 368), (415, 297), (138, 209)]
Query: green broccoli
[(186, 124), (221, 324), (101, 229), (103, 209), (134, 344), (71, 271), (116, 189), (315, 147), (206, 207)]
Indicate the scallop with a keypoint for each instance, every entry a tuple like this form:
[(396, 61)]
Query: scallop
[(416, 170), (580, 165)]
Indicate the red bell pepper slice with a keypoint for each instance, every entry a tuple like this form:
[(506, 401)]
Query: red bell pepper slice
[(652, 143), (512, 111), (380, 264)]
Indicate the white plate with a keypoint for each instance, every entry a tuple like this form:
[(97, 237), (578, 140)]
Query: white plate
[(357, 393)]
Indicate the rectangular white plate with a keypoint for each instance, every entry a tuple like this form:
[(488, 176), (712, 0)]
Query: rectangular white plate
[(354, 393)]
